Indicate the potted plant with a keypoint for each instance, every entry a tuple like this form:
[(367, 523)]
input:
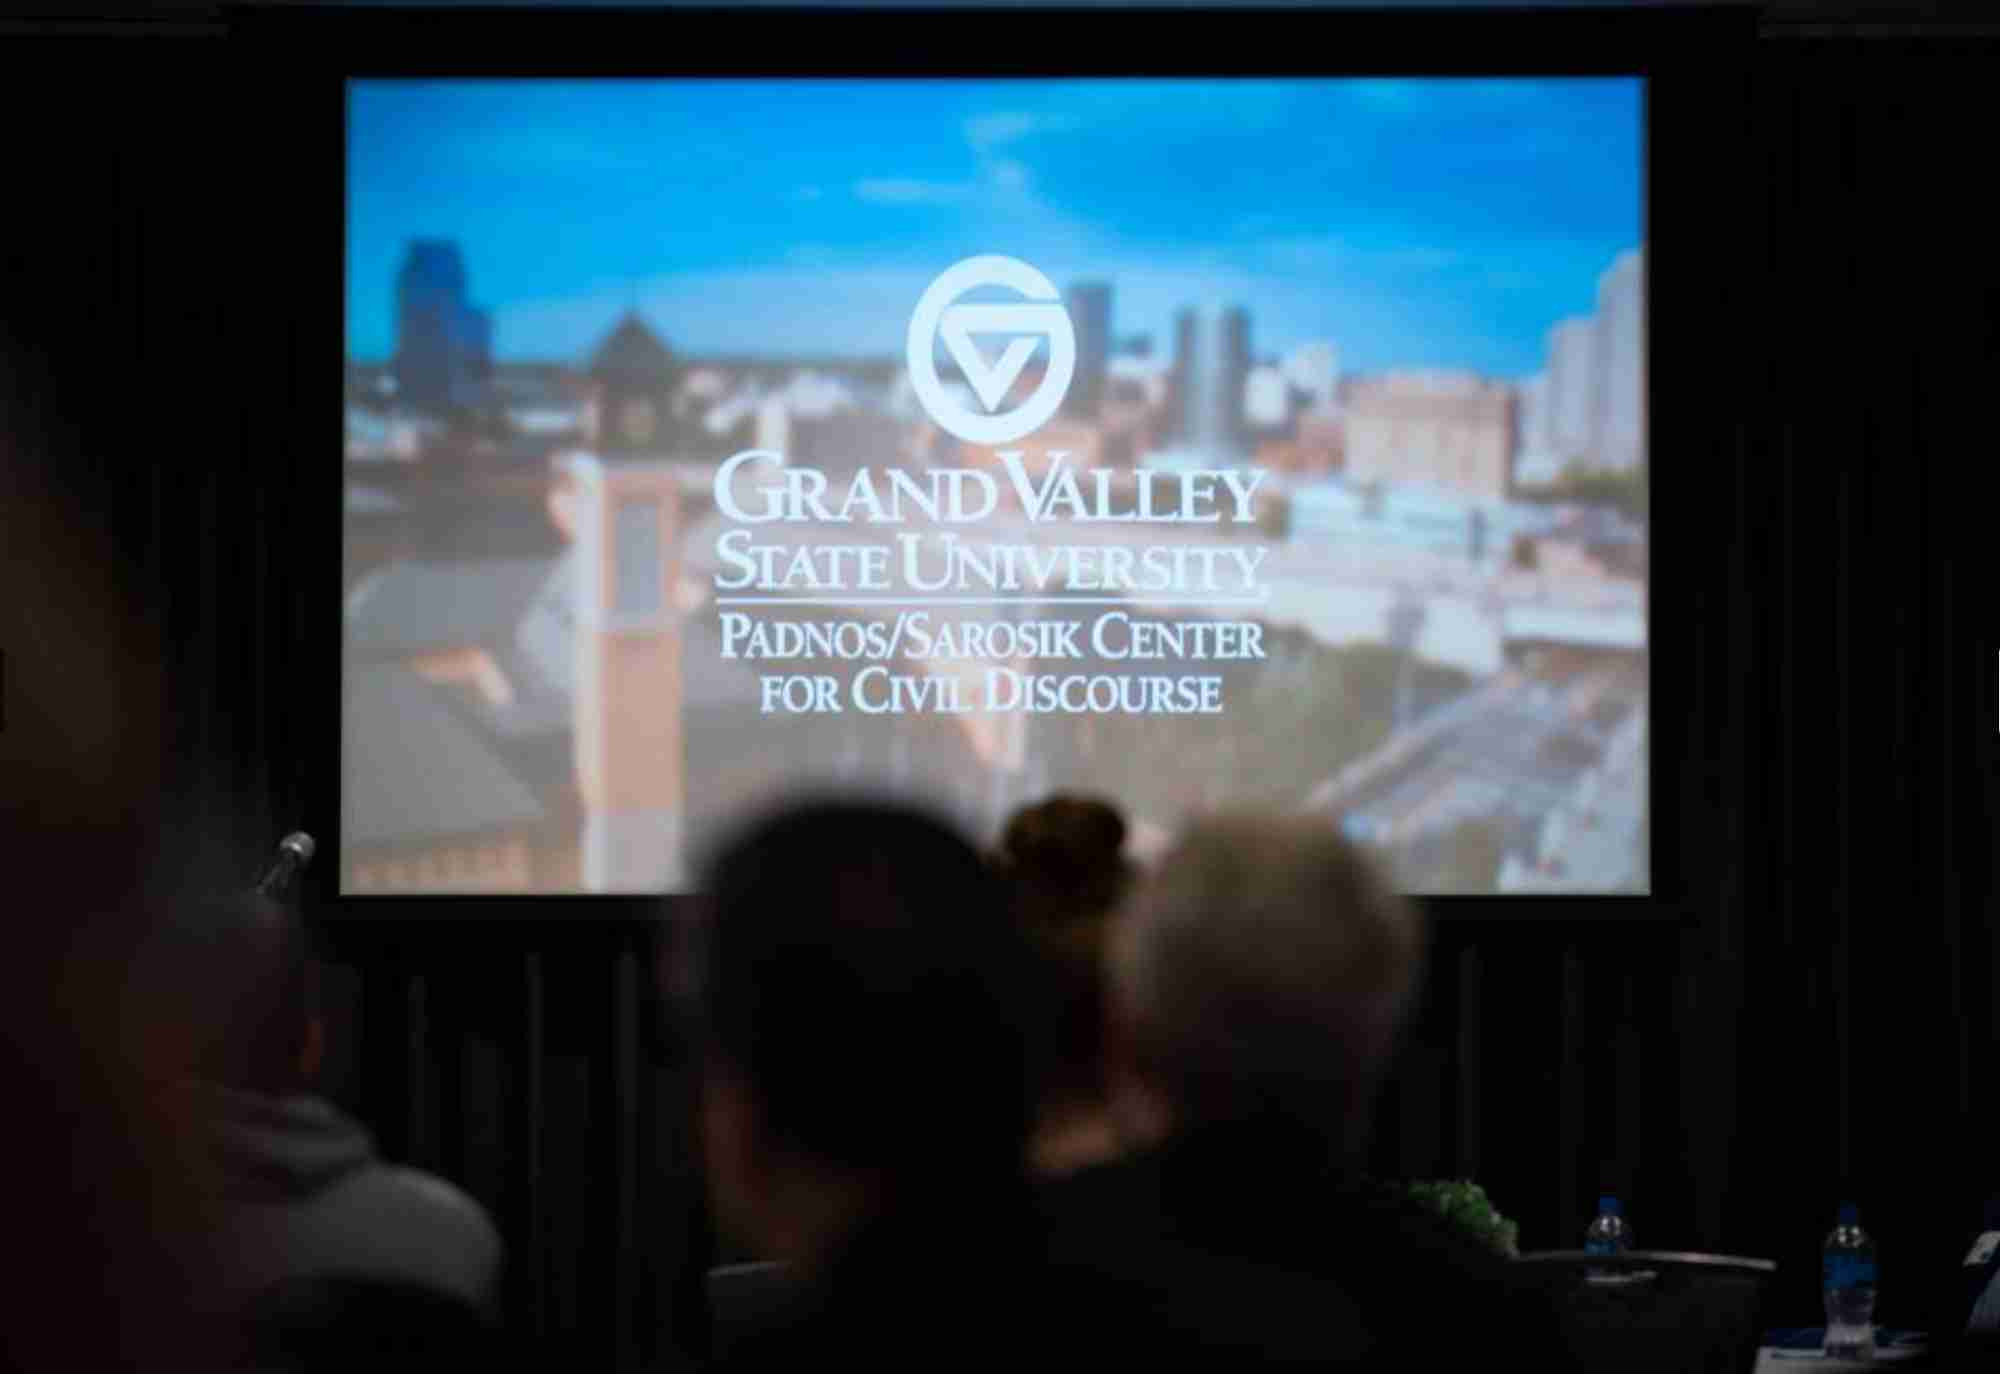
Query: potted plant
[(1465, 1205)]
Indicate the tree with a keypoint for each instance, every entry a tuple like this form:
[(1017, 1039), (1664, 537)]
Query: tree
[(1624, 492)]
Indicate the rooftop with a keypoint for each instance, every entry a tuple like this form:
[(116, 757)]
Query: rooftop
[(410, 608), (413, 772), (632, 352), (370, 501)]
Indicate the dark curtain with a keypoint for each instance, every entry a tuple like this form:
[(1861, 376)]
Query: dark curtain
[(162, 366), (1827, 713), (1866, 1047), (1820, 1023)]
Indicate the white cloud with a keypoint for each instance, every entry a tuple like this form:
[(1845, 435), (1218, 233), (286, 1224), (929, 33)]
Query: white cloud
[(528, 152), (1009, 176), (1324, 253), (987, 132), (1003, 201), (910, 191), (1002, 184)]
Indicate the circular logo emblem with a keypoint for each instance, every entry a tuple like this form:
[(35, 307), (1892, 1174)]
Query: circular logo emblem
[(1038, 316)]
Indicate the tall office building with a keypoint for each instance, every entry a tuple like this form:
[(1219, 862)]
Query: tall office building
[(1211, 373), (1621, 354), (1236, 364), (444, 346), (1532, 432), (1090, 316), (1573, 391), (1535, 460), (1181, 380)]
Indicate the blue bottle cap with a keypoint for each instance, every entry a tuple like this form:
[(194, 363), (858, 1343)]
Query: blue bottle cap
[(1850, 1215), (1608, 1206)]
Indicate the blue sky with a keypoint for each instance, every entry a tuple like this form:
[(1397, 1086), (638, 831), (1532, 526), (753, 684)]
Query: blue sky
[(1418, 223)]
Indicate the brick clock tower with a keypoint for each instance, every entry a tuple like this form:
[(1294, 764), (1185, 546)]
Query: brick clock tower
[(626, 717)]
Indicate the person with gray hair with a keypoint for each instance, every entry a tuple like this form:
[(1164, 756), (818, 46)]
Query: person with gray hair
[(1260, 979), (1263, 974)]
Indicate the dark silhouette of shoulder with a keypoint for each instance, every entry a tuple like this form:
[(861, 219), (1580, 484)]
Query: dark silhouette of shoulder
[(1223, 1248), (957, 1285), (306, 1194), (342, 1322)]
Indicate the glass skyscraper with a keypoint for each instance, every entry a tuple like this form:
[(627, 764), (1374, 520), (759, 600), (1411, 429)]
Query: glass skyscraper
[(444, 347)]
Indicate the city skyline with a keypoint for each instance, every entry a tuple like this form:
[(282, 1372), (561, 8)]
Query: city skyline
[(1490, 208)]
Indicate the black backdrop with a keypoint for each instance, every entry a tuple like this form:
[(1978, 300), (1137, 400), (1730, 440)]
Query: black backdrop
[(1820, 1022)]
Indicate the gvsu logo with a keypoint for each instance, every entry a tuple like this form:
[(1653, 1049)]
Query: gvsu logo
[(1039, 315)]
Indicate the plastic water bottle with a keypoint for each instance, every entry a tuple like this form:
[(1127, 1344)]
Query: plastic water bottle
[(1848, 1269), (1608, 1234)]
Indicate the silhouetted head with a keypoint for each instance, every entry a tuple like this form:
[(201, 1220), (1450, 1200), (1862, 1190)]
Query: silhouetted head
[(1067, 855), (1264, 972), (264, 1032), (867, 1003), (1064, 859), (103, 1143)]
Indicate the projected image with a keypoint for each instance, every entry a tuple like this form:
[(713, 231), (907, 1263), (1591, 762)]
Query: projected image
[(1188, 443)]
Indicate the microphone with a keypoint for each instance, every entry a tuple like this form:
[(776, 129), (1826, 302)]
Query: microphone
[(295, 851)]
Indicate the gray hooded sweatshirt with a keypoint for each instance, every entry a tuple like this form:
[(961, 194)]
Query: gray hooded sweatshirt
[(308, 1196)]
